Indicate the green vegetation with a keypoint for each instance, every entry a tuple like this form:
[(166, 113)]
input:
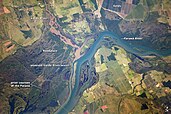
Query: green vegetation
[(67, 8), (21, 2), (138, 12), (88, 44), (90, 4), (131, 74)]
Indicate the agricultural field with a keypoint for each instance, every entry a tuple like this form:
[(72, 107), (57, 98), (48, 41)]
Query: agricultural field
[(111, 64), (107, 96)]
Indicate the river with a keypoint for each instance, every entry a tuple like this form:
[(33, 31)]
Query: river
[(138, 50)]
